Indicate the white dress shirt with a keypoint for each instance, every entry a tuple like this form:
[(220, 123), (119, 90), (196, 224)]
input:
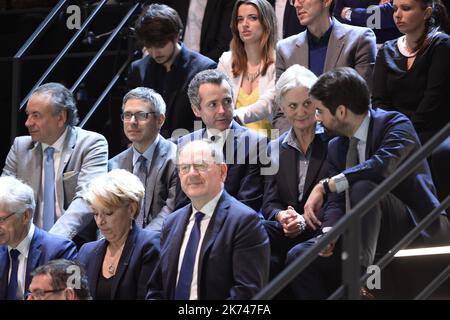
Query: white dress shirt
[(194, 23), (207, 210)]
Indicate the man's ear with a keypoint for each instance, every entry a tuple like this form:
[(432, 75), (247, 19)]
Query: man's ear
[(196, 110), (341, 112), (69, 294)]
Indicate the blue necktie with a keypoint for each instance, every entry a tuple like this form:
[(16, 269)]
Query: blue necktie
[(49, 189), (12, 285), (140, 170), (183, 290)]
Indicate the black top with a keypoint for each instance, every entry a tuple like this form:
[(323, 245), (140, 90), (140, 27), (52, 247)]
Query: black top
[(422, 92), (104, 286)]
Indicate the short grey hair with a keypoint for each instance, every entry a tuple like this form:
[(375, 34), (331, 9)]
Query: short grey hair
[(149, 96), (215, 152), (206, 76), (115, 189), (61, 99), (16, 196), (295, 76)]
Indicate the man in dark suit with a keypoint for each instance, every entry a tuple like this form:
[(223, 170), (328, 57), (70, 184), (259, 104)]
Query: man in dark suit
[(151, 157), (372, 144), (214, 34), (56, 150), (211, 97), (215, 247), (23, 247), (324, 45), (169, 66)]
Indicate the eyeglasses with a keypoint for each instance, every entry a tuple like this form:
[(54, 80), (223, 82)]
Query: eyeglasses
[(199, 167), (39, 294), (3, 219), (139, 116)]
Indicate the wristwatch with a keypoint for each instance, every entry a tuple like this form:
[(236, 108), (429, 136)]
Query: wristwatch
[(325, 185)]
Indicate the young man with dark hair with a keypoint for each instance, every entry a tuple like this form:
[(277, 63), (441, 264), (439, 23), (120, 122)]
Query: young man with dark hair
[(169, 66)]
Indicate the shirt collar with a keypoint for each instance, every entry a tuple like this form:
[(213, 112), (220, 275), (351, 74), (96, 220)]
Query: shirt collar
[(214, 132), (209, 207), (58, 145), (361, 133), (323, 40), (291, 140), (24, 246), (148, 154)]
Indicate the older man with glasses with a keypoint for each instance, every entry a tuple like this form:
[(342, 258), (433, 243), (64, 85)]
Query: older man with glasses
[(150, 157), (215, 247), (23, 246)]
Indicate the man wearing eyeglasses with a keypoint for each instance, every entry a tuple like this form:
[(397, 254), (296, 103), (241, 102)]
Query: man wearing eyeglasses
[(151, 157), (59, 279), (23, 246), (214, 247), (57, 160), (324, 45), (211, 96)]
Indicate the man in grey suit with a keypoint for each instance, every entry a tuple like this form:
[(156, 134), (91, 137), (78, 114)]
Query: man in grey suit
[(324, 45), (57, 151), (151, 157)]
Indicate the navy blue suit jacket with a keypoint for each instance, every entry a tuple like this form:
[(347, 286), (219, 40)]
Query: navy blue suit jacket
[(391, 140), (281, 189), (137, 262), (179, 114), (244, 180), (43, 248), (234, 254)]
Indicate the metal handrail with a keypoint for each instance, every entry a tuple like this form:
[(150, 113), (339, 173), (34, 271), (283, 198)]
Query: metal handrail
[(63, 52), (105, 45), (293, 269), (105, 92), (433, 285)]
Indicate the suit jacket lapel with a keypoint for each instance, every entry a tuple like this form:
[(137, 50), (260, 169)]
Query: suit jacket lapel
[(124, 261), (214, 226), (288, 159), (316, 162), (302, 51), (155, 166), (335, 45), (4, 271), (69, 145), (95, 268), (34, 255), (175, 238), (34, 161)]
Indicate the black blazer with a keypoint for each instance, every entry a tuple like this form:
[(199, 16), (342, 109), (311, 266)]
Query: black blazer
[(234, 254), (215, 35), (178, 108), (244, 180), (391, 140), (281, 189), (137, 262)]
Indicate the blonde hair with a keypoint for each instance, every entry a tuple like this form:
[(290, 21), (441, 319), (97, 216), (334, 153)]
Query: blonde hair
[(115, 189)]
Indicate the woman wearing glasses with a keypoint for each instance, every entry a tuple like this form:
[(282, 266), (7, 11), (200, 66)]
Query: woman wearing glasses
[(118, 266), (251, 61)]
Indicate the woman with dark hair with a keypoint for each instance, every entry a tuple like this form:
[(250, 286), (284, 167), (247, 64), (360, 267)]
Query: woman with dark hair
[(411, 72), (411, 76), (251, 61)]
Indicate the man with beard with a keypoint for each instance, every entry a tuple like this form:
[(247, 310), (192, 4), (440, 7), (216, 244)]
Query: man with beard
[(371, 145), (169, 66)]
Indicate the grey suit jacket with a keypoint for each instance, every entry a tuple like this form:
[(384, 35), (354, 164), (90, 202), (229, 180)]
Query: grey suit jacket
[(161, 181), (349, 46), (84, 156)]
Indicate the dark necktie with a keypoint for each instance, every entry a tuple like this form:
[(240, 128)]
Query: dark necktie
[(12, 285), (351, 161), (49, 189), (183, 290), (140, 170)]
